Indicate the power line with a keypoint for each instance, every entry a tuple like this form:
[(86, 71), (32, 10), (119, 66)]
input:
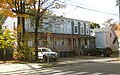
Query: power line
[(77, 2), (71, 10), (89, 8), (93, 10)]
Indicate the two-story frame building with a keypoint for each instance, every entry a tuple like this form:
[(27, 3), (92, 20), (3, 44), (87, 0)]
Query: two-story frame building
[(63, 35)]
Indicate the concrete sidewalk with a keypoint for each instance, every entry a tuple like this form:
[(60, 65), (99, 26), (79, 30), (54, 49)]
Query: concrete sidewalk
[(8, 67)]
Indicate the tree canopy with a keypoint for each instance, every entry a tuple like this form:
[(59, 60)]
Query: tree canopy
[(94, 25), (23, 9), (109, 22)]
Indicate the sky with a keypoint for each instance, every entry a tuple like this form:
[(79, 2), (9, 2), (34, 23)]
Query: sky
[(97, 11)]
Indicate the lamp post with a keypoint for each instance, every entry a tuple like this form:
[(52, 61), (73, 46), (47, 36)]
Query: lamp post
[(118, 4)]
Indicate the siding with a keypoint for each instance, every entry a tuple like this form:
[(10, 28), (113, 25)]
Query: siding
[(67, 27), (72, 25), (79, 24), (62, 26), (100, 39)]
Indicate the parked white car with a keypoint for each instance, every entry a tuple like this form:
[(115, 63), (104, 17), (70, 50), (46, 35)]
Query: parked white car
[(45, 53)]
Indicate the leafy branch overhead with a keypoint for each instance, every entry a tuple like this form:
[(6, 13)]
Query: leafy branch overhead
[(29, 8), (13, 8)]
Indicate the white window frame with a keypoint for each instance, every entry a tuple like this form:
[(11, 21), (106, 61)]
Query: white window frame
[(87, 30), (81, 29), (75, 29)]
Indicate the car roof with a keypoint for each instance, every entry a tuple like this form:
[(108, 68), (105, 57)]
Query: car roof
[(43, 48)]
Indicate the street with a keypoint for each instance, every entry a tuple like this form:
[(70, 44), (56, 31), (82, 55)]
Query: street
[(88, 68)]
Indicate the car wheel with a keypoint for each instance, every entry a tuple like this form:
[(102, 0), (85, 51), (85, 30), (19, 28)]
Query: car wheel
[(102, 55), (44, 58), (88, 54)]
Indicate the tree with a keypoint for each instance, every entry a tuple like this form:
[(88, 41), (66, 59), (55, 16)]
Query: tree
[(39, 12), (117, 27), (23, 8), (6, 40), (109, 22), (94, 25), (15, 8)]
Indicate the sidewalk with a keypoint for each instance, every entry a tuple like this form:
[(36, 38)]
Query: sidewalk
[(8, 67)]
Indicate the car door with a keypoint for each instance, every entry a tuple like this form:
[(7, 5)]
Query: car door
[(40, 54)]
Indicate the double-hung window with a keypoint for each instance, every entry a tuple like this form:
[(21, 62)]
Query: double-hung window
[(75, 29), (82, 29), (87, 30)]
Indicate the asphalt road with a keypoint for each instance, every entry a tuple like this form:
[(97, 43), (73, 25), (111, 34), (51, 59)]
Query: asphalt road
[(91, 68), (108, 68)]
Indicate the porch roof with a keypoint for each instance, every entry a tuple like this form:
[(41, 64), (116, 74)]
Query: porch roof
[(62, 48), (70, 36), (56, 35)]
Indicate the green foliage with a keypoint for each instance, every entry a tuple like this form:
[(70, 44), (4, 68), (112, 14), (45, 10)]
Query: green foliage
[(2, 18), (94, 25), (6, 39), (25, 52)]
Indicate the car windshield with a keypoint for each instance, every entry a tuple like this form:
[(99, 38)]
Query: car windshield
[(46, 50)]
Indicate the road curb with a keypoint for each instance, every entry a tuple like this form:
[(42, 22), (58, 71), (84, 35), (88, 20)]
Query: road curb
[(82, 61)]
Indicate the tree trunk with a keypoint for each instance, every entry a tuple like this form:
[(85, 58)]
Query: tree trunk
[(36, 37), (37, 20), (23, 19), (18, 34), (23, 26)]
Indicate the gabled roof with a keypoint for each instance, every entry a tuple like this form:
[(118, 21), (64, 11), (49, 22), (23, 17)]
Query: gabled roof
[(105, 29)]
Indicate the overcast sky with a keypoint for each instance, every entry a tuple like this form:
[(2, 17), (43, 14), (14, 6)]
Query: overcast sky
[(90, 10)]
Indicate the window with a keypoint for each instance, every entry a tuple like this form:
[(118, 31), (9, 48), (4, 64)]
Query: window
[(106, 40), (62, 20), (75, 29), (39, 50), (85, 41), (68, 21), (61, 26), (55, 42), (62, 41), (110, 34), (79, 23), (54, 19), (82, 30), (84, 24), (87, 30)]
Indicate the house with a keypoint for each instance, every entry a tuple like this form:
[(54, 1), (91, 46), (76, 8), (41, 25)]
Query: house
[(65, 35), (106, 37)]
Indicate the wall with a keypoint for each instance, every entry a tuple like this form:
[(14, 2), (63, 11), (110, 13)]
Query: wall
[(105, 39), (62, 25), (99, 39)]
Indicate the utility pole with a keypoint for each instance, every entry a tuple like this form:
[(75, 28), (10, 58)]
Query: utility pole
[(118, 4)]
